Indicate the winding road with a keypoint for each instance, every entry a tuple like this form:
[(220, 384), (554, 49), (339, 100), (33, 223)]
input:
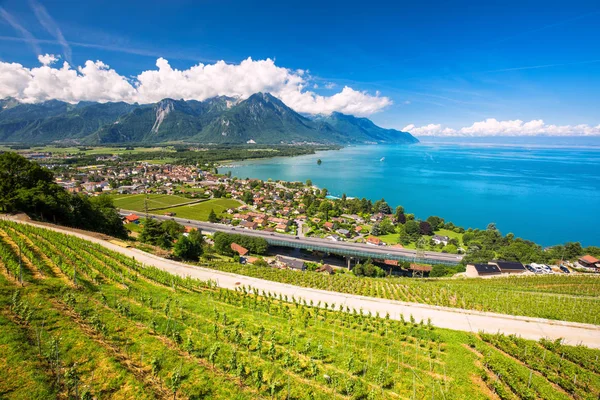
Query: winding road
[(443, 317)]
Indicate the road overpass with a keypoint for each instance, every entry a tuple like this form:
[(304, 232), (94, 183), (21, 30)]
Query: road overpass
[(347, 249)]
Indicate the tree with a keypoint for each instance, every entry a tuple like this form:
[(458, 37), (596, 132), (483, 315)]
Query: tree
[(492, 227), (435, 222), (376, 230), (172, 229), (212, 217), (412, 228), (425, 228), (399, 213), (309, 183), (248, 197), (190, 247), (386, 226), (325, 207), (382, 206)]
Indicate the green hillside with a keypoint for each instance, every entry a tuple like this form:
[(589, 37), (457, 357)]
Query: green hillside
[(91, 323)]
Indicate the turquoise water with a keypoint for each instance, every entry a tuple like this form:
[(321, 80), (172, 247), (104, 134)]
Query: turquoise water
[(548, 192)]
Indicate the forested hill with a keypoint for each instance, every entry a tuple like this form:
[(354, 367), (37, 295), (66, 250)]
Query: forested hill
[(262, 119)]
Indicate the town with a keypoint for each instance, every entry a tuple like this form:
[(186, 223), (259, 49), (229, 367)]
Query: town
[(302, 210)]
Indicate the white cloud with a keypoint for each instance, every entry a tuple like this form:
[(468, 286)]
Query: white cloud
[(96, 81), (48, 59), (493, 127)]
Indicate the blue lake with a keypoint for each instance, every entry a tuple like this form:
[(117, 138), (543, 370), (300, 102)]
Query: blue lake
[(547, 190)]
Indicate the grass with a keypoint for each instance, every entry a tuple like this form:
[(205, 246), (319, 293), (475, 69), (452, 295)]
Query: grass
[(135, 202), (392, 238), (95, 150), (200, 211), (127, 330)]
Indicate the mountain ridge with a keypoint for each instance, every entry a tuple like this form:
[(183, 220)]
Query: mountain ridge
[(261, 118)]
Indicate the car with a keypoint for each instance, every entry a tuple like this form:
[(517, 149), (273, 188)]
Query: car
[(233, 229), (565, 269), (529, 268), (272, 234), (297, 237)]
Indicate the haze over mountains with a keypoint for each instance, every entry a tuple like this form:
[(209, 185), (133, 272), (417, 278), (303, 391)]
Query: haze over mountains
[(261, 119)]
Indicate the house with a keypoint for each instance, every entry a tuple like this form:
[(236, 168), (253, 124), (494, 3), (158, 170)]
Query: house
[(482, 270), (328, 225), (374, 240), (588, 261), (358, 229), (438, 239), (334, 237), (377, 217), (239, 249), (292, 263), (132, 219), (344, 232), (509, 267), (281, 228), (248, 225)]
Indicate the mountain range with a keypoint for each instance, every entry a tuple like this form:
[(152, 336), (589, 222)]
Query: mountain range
[(261, 118)]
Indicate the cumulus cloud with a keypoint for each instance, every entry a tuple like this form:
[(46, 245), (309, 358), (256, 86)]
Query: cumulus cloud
[(96, 81), (493, 127)]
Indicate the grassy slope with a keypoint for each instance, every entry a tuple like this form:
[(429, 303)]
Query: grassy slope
[(200, 211), (392, 238), (121, 317)]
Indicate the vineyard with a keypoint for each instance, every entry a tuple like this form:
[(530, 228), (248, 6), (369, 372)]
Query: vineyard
[(80, 321), (560, 297)]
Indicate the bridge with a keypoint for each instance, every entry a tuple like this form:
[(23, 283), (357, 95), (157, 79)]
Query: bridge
[(346, 249)]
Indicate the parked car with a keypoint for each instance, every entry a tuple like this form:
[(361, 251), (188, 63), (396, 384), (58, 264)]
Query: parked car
[(565, 269)]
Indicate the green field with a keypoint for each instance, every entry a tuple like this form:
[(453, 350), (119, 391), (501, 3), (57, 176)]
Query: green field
[(97, 323), (92, 150), (392, 238), (136, 201), (200, 211)]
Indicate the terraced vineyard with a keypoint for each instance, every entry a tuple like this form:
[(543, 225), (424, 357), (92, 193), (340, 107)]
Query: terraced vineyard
[(79, 321), (560, 297)]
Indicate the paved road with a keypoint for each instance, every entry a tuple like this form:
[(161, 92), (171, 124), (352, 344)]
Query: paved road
[(384, 252), (458, 319)]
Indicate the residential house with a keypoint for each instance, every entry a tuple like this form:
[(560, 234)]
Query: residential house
[(438, 239), (328, 225), (374, 241), (132, 219), (588, 261), (344, 232), (249, 225), (292, 263), (239, 249)]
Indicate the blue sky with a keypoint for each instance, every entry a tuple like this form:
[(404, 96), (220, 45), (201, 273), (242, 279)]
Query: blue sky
[(442, 63)]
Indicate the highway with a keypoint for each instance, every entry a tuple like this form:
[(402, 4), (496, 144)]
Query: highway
[(452, 318), (343, 248)]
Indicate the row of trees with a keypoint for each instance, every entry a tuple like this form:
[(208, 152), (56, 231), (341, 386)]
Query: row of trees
[(27, 187)]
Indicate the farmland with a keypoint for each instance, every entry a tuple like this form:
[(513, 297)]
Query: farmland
[(136, 202), (96, 324), (200, 211), (568, 298)]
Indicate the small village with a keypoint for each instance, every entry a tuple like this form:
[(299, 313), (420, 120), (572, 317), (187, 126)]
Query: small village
[(294, 208)]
